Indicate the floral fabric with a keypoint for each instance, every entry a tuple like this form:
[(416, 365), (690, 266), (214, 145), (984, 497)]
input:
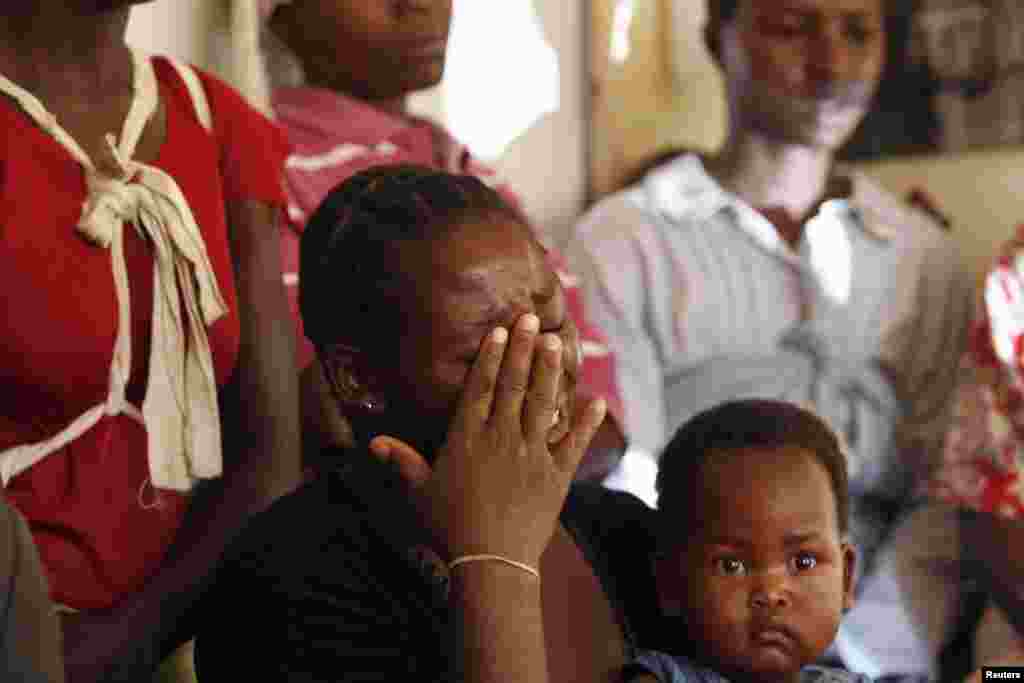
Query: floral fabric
[(983, 458)]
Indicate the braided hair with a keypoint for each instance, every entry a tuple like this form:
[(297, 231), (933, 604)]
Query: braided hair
[(350, 289), (743, 426)]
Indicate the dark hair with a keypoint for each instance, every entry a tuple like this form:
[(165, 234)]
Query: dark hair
[(738, 426), (722, 11), (350, 290)]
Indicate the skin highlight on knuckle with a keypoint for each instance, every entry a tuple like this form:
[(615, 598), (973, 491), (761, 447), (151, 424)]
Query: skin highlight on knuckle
[(516, 386)]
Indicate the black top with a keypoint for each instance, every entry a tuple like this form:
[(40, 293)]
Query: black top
[(323, 586)]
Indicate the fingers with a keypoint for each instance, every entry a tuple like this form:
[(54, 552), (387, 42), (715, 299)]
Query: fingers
[(412, 466), (474, 407), (514, 382), (569, 451), (514, 377), (541, 402)]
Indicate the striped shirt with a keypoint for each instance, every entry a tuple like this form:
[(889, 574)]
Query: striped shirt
[(681, 274)]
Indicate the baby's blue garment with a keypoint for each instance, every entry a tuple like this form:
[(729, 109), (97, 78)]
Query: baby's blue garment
[(675, 669)]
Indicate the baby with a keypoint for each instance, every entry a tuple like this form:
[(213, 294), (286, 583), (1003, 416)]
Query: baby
[(754, 556)]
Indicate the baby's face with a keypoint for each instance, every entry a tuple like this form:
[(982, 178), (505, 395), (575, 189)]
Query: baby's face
[(763, 579)]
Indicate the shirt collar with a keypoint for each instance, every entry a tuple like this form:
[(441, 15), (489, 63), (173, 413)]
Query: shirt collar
[(318, 110), (683, 190)]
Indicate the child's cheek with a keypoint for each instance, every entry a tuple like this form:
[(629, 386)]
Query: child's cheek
[(716, 618), (720, 597)]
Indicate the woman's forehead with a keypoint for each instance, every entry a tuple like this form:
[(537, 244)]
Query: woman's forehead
[(483, 253), (480, 271), (838, 7)]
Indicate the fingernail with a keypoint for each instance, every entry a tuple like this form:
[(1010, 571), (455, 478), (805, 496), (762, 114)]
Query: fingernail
[(499, 335), (530, 323)]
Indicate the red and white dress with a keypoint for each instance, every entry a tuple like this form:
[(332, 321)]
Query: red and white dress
[(120, 321)]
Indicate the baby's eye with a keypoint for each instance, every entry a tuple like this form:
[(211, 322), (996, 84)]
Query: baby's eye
[(730, 566), (804, 561)]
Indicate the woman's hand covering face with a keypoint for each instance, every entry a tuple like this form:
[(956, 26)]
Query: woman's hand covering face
[(498, 485)]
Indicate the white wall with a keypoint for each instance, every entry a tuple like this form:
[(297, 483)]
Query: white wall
[(544, 163), (983, 193)]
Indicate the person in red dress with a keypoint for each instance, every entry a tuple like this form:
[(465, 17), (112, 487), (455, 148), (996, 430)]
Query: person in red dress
[(150, 397)]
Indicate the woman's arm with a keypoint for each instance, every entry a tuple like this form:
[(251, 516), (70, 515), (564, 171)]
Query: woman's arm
[(496, 488), (504, 628), (261, 407), (261, 463)]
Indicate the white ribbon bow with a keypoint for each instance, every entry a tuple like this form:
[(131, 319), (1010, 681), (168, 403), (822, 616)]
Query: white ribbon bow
[(180, 409)]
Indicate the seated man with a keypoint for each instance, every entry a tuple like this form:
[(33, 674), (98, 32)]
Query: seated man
[(769, 271)]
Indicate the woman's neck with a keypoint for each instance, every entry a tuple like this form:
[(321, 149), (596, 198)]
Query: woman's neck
[(56, 48), (766, 173), (397, 106)]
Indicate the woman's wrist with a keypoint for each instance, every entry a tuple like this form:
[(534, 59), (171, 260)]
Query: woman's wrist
[(480, 558), (471, 581)]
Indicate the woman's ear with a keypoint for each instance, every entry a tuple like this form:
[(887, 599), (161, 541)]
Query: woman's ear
[(670, 582), (849, 574), (352, 383)]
